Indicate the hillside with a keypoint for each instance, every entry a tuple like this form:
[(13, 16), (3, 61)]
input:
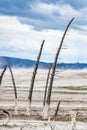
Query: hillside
[(25, 63), (20, 63)]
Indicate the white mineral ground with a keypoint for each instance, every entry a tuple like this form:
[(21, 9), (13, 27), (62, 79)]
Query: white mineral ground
[(70, 86)]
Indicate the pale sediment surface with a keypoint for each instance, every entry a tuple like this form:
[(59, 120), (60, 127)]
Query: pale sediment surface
[(69, 86)]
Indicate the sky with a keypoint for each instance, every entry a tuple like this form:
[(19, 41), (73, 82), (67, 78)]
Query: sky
[(24, 24)]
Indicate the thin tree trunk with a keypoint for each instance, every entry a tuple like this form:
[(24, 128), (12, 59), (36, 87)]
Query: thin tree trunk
[(13, 81), (1, 76), (15, 91), (33, 78), (55, 63), (57, 109), (46, 86), (53, 70)]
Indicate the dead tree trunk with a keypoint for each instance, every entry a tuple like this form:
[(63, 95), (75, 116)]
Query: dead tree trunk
[(57, 109), (53, 71), (13, 81), (46, 86), (15, 91), (1, 76), (33, 77), (7, 114)]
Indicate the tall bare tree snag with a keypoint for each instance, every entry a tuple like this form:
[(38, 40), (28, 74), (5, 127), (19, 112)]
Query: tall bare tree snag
[(46, 86), (47, 106), (1, 76), (15, 91), (33, 78)]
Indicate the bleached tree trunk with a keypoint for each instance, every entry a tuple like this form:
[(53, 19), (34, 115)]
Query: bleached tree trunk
[(47, 106), (7, 114), (52, 124), (73, 120), (33, 79)]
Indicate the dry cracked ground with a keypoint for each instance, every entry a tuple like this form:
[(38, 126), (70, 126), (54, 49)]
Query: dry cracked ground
[(69, 87)]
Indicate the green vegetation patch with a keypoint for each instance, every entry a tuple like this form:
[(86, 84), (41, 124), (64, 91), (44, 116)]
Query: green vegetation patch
[(72, 88)]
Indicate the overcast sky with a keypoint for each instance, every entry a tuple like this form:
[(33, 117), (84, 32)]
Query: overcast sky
[(24, 24)]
